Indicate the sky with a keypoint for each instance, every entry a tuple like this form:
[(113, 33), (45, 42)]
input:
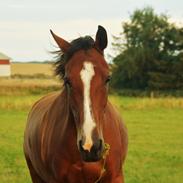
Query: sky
[(25, 24)]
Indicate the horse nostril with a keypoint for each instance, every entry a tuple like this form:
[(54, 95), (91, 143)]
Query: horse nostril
[(100, 144), (97, 146), (81, 145)]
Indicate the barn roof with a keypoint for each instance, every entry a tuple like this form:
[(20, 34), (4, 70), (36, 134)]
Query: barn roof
[(3, 56)]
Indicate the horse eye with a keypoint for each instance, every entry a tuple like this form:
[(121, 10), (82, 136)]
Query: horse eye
[(67, 82), (108, 79)]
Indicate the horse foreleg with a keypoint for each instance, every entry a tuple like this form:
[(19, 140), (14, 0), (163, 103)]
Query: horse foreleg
[(34, 176)]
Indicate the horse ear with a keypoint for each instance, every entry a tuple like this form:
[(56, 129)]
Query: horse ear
[(101, 38), (64, 45)]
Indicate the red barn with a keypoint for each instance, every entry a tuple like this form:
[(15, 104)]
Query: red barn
[(4, 65)]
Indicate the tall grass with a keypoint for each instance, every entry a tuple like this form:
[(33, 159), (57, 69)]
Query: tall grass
[(23, 102), (146, 102), (20, 86)]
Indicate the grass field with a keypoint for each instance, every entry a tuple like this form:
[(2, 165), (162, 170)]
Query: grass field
[(155, 138)]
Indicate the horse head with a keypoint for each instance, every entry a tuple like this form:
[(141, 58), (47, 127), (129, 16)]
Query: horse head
[(85, 73)]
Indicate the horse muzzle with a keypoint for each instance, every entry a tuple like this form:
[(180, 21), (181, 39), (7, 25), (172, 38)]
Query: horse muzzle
[(94, 153)]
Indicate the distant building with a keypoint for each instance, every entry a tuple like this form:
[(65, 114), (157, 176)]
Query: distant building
[(5, 69)]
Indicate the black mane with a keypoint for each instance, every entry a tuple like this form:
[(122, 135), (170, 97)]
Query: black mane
[(80, 43)]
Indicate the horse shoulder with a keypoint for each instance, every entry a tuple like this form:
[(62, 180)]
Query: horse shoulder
[(34, 128), (44, 102)]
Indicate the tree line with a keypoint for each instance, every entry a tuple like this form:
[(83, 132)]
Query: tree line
[(150, 53)]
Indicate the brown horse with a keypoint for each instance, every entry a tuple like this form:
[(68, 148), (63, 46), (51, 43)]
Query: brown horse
[(76, 135)]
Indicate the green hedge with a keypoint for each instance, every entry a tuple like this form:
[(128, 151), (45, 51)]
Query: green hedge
[(147, 93)]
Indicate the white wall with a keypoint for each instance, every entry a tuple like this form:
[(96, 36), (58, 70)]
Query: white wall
[(5, 70)]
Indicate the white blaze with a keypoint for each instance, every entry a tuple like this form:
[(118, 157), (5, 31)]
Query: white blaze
[(87, 74)]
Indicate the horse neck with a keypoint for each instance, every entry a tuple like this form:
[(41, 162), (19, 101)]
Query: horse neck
[(65, 102)]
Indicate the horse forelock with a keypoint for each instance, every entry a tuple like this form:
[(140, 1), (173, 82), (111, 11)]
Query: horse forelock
[(84, 43)]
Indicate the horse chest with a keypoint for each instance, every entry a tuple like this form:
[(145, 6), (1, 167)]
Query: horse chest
[(87, 172), (78, 172)]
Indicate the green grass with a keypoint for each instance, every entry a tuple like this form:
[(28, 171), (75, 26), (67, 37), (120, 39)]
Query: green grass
[(12, 164), (155, 146), (155, 128)]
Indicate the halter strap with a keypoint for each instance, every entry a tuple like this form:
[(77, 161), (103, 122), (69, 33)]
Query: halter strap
[(104, 156)]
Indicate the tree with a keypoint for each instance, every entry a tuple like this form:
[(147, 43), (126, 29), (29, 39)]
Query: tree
[(150, 53)]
